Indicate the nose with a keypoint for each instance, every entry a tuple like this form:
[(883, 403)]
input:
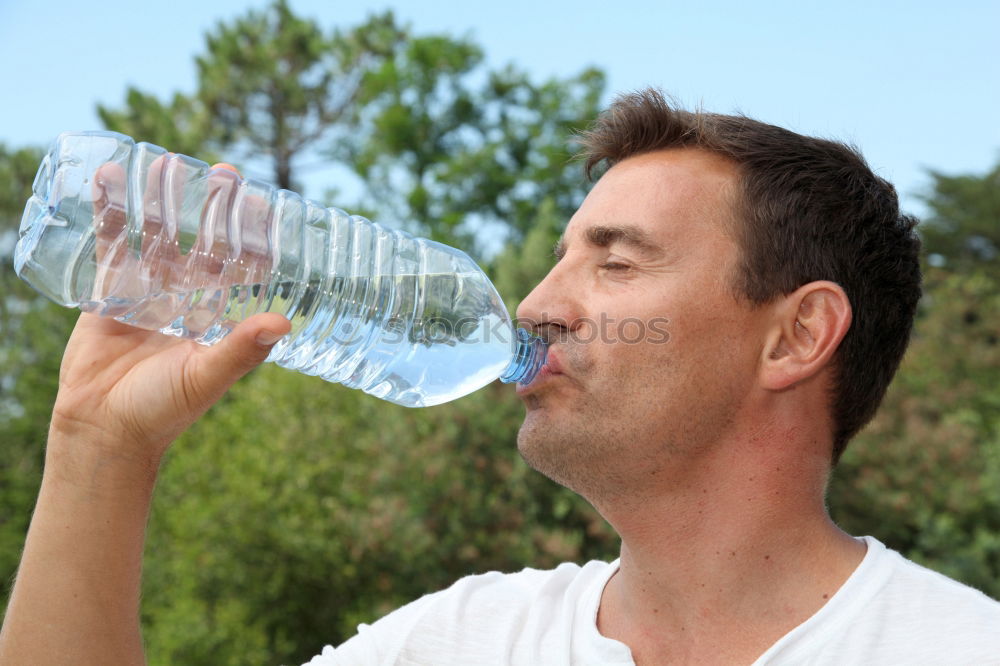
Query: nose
[(553, 306)]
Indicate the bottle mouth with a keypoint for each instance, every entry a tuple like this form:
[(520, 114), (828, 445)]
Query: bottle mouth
[(529, 357)]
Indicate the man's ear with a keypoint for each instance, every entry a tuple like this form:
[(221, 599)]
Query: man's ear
[(808, 327)]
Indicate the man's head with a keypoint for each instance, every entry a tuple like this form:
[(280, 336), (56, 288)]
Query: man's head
[(736, 209)]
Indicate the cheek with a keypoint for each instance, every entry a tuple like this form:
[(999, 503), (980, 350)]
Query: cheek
[(637, 364)]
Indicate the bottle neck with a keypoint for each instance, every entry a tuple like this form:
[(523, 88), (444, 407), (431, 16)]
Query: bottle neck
[(529, 357)]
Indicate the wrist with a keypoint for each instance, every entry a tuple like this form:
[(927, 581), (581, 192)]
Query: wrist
[(99, 463)]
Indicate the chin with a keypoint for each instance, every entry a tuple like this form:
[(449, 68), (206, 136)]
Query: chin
[(552, 453), (531, 438)]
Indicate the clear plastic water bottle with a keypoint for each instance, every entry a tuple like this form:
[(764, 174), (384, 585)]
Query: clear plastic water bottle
[(163, 242)]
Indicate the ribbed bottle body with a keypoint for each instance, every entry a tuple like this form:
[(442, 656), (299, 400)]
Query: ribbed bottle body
[(163, 242)]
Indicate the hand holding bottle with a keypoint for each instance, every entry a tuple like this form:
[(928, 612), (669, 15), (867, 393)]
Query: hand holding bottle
[(136, 387), (135, 390)]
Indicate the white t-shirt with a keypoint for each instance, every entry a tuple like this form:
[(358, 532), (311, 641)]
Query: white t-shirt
[(890, 611)]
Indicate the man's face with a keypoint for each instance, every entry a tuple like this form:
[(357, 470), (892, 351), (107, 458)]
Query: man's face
[(651, 353)]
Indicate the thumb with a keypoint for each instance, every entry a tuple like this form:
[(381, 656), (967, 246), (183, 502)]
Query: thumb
[(241, 351)]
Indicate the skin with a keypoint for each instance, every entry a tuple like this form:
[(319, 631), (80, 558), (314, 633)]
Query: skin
[(706, 448), (707, 453)]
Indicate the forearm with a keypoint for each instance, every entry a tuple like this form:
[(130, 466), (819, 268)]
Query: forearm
[(76, 596)]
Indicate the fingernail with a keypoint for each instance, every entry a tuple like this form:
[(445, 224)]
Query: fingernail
[(268, 338)]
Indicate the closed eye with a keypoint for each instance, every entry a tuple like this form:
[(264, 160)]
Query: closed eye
[(614, 266)]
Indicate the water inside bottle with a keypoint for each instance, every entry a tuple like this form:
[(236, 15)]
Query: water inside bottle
[(416, 340)]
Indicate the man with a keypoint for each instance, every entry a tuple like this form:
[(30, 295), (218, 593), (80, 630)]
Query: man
[(788, 281)]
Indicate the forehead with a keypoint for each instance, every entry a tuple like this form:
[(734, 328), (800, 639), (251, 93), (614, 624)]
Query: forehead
[(664, 194)]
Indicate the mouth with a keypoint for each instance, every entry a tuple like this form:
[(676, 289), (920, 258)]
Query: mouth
[(551, 369)]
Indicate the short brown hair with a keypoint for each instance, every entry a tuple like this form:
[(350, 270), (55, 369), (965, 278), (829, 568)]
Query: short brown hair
[(807, 209)]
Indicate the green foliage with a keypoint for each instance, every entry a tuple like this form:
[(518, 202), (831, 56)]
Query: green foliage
[(182, 125), (415, 107), (463, 155), (276, 85), (963, 230), (271, 86), (529, 149), (522, 265), (17, 171), (925, 475)]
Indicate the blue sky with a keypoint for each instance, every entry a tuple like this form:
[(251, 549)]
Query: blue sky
[(915, 84)]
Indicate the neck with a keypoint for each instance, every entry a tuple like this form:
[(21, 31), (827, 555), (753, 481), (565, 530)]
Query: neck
[(736, 546)]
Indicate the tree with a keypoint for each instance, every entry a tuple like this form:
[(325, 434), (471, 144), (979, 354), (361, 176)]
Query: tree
[(463, 162), (271, 87), (414, 108), (526, 157), (274, 84), (182, 125), (445, 147), (963, 229)]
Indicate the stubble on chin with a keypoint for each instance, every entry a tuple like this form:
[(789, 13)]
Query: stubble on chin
[(569, 451), (544, 444)]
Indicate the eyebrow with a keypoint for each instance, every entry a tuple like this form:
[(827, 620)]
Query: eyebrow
[(604, 235)]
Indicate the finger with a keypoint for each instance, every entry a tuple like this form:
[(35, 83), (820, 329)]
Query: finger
[(246, 347), (110, 232), (226, 166), (163, 202), (253, 210), (212, 248), (108, 192), (250, 259)]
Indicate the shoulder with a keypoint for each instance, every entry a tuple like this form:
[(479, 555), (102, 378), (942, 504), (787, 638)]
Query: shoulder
[(477, 618), (514, 601), (894, 611), (934, 601), (923, 613), (526, 585)]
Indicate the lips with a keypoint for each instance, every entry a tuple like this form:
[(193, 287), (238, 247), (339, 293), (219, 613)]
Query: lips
[(552, 367)]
